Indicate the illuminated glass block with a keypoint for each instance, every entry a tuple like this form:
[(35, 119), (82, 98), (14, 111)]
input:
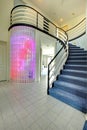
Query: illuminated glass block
[(22, 53)]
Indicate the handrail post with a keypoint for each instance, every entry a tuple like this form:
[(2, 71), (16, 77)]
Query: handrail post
[(48, 81), (37, 20)]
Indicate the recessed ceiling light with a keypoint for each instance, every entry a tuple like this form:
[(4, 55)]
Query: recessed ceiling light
[(39, 0), (61, 19)]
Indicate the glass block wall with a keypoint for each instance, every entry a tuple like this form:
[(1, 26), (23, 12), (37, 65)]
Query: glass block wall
[(22, 54)]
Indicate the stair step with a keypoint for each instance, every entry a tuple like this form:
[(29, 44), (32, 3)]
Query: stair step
[(72, 100), (81, 62), (77, 51), (77, 57), (78, 54), (75, 73), (73, 79), (76, 67), (85, 125), (72, 88), (74, 47), (71, 45)]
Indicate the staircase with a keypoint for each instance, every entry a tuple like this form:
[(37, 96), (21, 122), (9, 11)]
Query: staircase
[(71, 85)]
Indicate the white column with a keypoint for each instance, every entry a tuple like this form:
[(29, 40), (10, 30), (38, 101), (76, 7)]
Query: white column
[(37, 56)]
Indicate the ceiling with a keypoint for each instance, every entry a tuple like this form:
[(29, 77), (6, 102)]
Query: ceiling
[(60, 11)]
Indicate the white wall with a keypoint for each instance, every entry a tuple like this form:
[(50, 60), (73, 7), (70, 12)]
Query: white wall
[(82, 41), (5, 8), (39, 37)]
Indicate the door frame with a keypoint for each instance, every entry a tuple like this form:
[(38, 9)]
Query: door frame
[(5, 43)]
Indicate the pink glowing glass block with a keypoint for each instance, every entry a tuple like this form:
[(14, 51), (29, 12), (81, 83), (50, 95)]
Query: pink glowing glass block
[(23, 53)]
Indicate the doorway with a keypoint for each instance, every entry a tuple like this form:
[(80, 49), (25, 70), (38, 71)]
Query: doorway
[(3, 61)]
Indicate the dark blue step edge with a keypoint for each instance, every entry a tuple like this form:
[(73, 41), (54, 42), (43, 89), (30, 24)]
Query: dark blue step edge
[(78, 54), (79, 62), (72, 100), (77, 58), (76, 49), (85, 126), (74, 73), (73, 79), (76, 63), (72, 88), (76, 67)]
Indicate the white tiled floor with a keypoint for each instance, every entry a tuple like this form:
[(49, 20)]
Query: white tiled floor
[(28, 107)]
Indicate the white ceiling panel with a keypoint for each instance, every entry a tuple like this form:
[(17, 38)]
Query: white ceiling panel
[(57, 9)]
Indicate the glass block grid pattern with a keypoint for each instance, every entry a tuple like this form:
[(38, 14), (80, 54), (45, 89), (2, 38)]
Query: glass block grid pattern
[(22, 54)]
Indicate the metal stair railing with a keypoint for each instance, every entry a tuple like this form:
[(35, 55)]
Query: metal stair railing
[(56, 64), (26, 15)]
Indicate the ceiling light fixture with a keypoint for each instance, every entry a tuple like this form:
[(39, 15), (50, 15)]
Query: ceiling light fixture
[(39, 0), (61, 19)]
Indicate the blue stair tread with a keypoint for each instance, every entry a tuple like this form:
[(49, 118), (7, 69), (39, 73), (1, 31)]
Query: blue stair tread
[(78, 71), (70, 85), (77, 65), (81, 101), (76, 51), (76, 60), (81, 62), (85, 125), (74, 77), (84, 52), (70, 99), (76, 48), (78, 56)]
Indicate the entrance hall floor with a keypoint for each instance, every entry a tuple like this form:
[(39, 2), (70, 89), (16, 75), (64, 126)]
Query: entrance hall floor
[(26, 106)]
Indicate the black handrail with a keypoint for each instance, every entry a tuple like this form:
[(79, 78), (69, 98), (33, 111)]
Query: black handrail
[(36, 27), (63, 46), (29, 25), (38, 13), (49, 67)]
